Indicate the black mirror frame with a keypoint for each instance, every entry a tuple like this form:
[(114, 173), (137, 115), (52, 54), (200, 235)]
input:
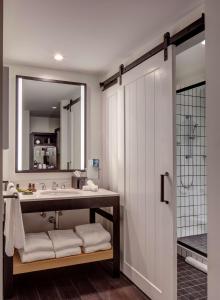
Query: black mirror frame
[(16, 123)]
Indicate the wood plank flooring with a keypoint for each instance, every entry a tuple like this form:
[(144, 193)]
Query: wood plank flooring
[(85, 282)]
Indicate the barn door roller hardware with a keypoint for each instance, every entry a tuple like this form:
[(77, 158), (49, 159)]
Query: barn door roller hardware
[(180, 37), (121, 71), (71, 103), (166, 43)]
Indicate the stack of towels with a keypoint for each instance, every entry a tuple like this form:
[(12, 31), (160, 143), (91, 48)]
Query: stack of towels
[(61, 243), (65, 242), (94, 237), (38, 246)]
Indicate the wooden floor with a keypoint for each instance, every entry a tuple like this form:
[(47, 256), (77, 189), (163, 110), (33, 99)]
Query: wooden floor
[(86, 282)]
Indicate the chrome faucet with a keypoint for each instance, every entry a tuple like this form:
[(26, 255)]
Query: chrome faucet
[(43, 186), (54, 186)]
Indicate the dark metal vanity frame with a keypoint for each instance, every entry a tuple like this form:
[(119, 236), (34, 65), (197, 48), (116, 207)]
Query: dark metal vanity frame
[(16, 120), (94, 204)]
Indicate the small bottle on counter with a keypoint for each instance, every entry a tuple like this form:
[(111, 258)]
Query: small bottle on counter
[(30, 187), (33, 188)]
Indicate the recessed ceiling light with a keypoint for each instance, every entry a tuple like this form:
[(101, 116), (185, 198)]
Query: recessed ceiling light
[(203, 43), (54, 107), (58, 57)]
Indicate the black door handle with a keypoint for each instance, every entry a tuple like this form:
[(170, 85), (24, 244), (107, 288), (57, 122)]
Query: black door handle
[(162, 192)]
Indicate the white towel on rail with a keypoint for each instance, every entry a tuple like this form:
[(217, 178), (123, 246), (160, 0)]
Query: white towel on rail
[(93, 234), (63, 239), (98, 247), (68, 252), (37, 242), (35, 256), (13, 227)]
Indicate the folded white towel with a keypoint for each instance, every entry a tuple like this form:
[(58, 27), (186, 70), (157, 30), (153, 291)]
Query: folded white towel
[(93, 234), (14, 227), (90, 186), (99, 247), (36, 255), (91, 183), (68, 252), (37, 242), (90, 189), (63, 239)]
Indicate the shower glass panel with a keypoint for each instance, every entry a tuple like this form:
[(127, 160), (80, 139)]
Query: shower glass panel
[(191, 162)]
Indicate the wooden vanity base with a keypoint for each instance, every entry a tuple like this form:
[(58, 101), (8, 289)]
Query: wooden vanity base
[(95, 204), (20, 268)]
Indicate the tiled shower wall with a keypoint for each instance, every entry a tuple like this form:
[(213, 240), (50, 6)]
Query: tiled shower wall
[(191, 161)]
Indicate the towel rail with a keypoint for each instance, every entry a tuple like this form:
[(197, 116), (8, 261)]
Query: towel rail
[(10, 196)]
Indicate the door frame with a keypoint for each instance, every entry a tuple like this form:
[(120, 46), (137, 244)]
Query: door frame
[(1, 148)]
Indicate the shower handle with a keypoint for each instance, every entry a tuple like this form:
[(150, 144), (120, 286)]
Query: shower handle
[(162, 187)]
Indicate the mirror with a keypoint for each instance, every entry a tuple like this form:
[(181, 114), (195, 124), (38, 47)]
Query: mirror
[(50, 125)]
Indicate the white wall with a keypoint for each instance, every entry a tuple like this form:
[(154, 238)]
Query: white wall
[(183, 22), (93, 136), (213, 117), (44, 124)]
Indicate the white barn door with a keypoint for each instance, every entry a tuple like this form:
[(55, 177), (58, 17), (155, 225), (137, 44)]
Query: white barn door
[(149, 225)]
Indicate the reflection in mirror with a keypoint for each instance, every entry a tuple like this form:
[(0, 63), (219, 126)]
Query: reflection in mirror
[(50, 125)]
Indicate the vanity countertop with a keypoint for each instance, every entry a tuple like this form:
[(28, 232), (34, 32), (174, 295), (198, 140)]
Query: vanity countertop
[(65, 194)]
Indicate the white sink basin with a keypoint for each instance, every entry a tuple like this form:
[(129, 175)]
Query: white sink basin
[(61, 192)]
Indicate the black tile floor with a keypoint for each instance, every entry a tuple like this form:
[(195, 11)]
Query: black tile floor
[(198, 242), (191, 283)]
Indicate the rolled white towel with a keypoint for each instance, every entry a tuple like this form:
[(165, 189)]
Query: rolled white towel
[(197, 264), (68, 252), (37, 242), (35, 256), (93, 234), (99, 247), (63, 239), (91, 183)]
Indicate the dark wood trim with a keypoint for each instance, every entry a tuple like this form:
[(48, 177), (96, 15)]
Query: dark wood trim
[(67, 204), (49, 171), (104, 214), (180, 37), (72, 102), (191, 87), (50, 80), (16, 122)]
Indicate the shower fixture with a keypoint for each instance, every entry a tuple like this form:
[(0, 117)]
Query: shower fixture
[(190, 136)]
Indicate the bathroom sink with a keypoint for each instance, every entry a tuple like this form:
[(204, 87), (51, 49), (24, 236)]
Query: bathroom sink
[(58, 193)]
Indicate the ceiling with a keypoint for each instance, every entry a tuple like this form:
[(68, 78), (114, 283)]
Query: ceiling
[(39, 96), (190, 64), (91, 34)]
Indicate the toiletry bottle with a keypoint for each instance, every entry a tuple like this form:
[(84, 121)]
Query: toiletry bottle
[(29, 187), (17, 187), (33, 188)]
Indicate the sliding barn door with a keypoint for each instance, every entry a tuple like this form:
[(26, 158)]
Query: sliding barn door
[(149, 224)]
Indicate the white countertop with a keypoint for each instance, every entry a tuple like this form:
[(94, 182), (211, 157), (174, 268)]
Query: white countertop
[(65, 194)]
